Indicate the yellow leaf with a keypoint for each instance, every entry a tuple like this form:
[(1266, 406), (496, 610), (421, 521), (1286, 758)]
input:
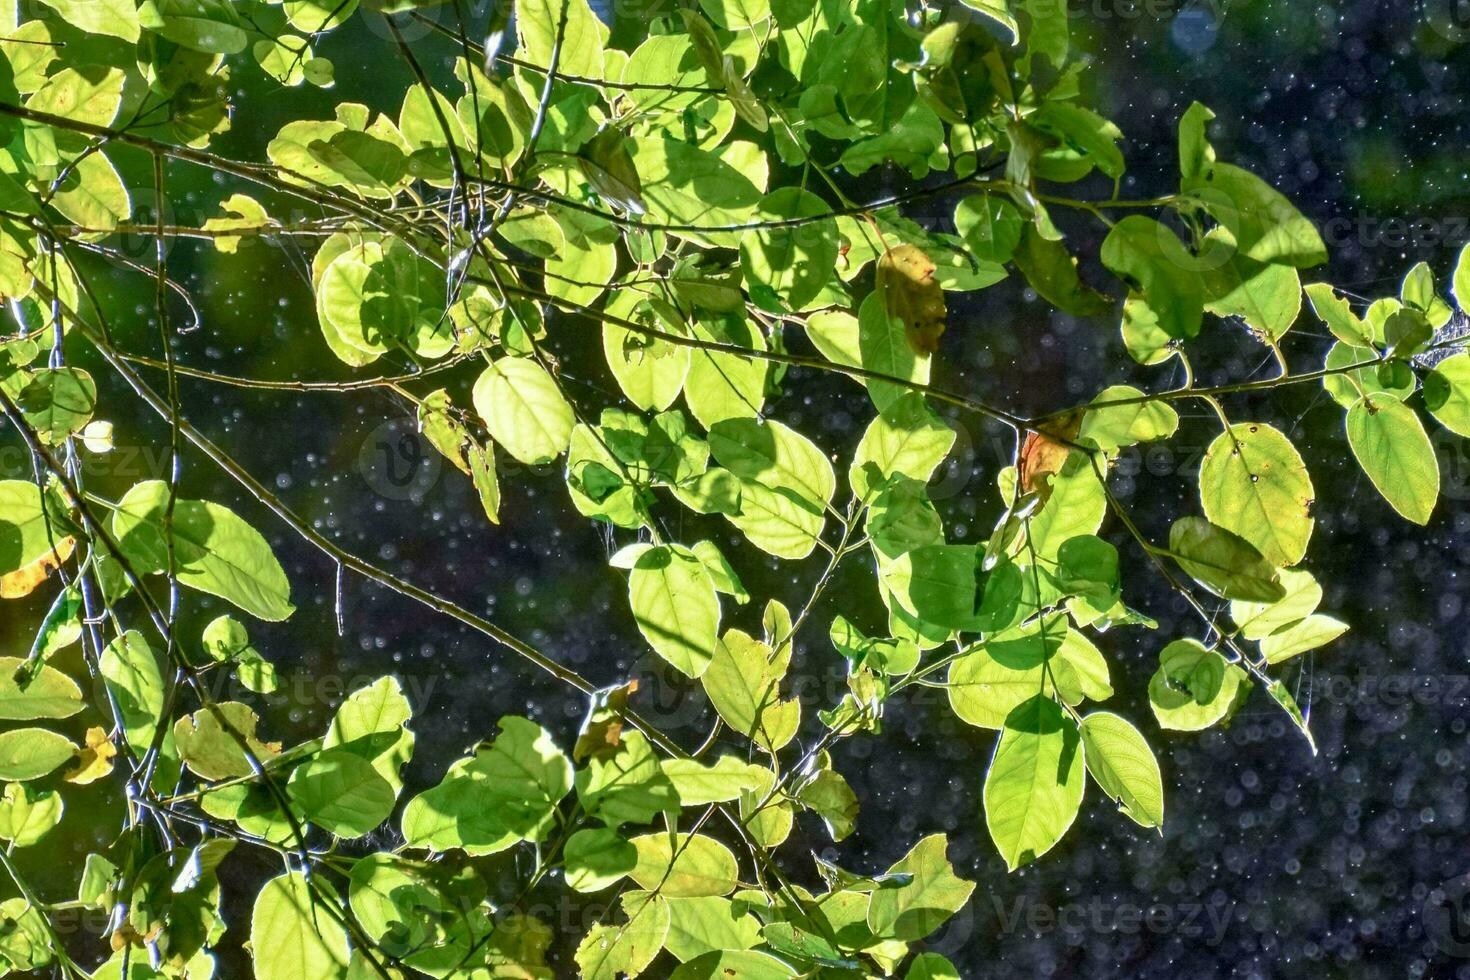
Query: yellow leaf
[(913, 295), (94, 760), (23, 581)]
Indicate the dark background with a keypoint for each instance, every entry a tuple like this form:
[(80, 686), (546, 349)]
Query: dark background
[(1273, 862)]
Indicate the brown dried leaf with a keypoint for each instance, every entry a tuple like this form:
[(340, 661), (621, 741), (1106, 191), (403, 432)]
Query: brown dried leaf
[(913, 295), (1045, 451), (23, 581), (602, 731)]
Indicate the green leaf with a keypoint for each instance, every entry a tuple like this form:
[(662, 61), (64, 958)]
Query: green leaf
[(998, 11), (1034, 786), (226, 640), (1112, 428), (458, 813), (92, 193), (907, 438), (135, 682), (890, 656), (289, 60), (610, 952), (881, 346), (627, 786), (990, 225), (931, 966), (1418, 293), (698, 925), (1338, 315), (61, 627), (775, 456), (1076, 506), (990, 680), (596, 859), (481, 461), (527, 775), (373, 725), (675, 606), (88, 94), (1223, 562), (214, 741), (30, 753), (583, 36), (1287, 703), (1258, 620), (1390, 444), (341, 792), (118, 18), (524, 409), (930, 895), (1156, 265), (372, 295), (1195, 152), (828, 795), (785, 267), (650, 371), (736, 15), (1081, 130), (1253, 482), (725, 386), (909, 143), (58, 402), (936, 583), (686, 185), (1194, 687), (290, 937), (902, 519), (25, 943), (747, 964), (1267, 297), (1447, 393), (1146, 341), (1460, 282), (1377, 375), (43, 693), (721, 574), (796, 943), (721, 782), (742, 682), (27, 814), (1052, 272), (26, 531), (779, 522), (686, 867), (214, 549), (1309, 634), (1263, 224), (1124, 766), (416, 913), (204, 25)]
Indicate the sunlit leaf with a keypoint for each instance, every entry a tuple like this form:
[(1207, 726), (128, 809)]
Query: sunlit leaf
[(214, 550), (1390, 444), (1119, 759), (931, 893), (1034, 785), (1253, 482)]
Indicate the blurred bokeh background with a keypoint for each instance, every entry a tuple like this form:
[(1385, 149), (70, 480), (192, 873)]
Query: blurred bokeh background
[(1274, 862)]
